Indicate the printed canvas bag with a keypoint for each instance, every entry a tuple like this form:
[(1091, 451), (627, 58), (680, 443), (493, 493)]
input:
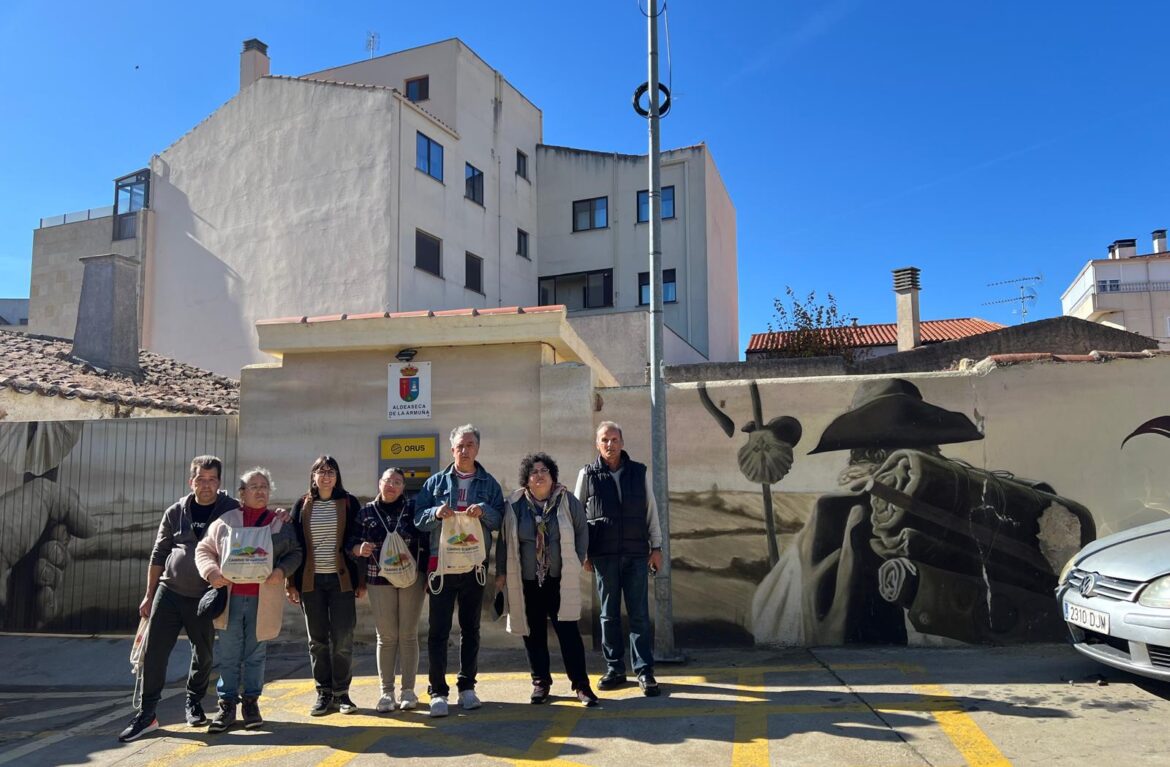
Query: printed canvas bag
[(395, 563), (137, 656), (461, 550), (248, 556)]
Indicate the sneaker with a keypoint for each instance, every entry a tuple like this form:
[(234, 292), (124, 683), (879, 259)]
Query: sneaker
[(195, 715), (612, 680), (648, 684), (409, 700), (586, 697), (252, 718), (438, 705), (225, 718), (469, 700), (386, 704), (321, 707), (540, 692), (141, 724), (344, 704)]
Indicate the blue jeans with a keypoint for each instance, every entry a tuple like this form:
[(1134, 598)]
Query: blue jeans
[(617, 576), (238, 647)]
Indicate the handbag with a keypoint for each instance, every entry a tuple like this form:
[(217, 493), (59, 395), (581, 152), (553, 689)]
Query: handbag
[(395, 563), (212, 603), (461, 550)]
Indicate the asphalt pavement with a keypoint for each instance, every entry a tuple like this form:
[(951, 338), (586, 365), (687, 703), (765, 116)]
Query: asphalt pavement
[(63, 701)]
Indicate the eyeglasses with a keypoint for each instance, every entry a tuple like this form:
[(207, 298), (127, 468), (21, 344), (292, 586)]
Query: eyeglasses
[(256, 488), (395, 482), (325, 473), (538, 472)]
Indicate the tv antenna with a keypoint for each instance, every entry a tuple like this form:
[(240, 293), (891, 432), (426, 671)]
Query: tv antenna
[(1027, 294), (372, 41)]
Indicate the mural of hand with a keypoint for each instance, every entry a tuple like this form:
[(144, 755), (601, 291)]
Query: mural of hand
[(40, 517)]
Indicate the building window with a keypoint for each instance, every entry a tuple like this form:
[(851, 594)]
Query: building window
[(131, 194), (522, 243), (669, 288), (473, 274), (521, 164), (428, 253), (644, 204), (418, 88), (579, 290), (429, 157), (590, 214), (473, 178), (1108, 286)]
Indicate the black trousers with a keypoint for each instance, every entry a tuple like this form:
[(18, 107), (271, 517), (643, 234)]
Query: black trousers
[(330, 618), (170, 614), (462, 590), (541, 604)]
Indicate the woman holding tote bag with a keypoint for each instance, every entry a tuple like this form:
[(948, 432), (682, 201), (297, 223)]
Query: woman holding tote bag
[(396, 554), (543, 541), (234, 548)]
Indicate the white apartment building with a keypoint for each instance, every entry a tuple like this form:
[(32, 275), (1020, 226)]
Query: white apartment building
[(412, 181), (1125, 290)]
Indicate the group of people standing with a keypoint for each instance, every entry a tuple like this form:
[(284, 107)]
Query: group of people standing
[(328, 551)]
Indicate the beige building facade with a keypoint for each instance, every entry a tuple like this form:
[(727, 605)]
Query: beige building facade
[(411, 181), (1125, 290)]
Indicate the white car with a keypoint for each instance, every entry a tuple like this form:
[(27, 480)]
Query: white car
[(1115, 597)]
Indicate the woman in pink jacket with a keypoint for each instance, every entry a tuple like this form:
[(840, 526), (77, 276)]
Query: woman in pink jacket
[(253, 613)]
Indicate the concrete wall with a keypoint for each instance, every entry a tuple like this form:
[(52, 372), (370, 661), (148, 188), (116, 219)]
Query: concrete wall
[(725, 584), (55, 281), (566, 175), (722, 267), (621, 340), (16, 406)]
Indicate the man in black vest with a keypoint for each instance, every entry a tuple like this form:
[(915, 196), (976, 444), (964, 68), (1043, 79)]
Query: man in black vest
[(625, 544)]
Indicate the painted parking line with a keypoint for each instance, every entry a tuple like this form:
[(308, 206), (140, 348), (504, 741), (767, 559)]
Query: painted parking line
[(740, 694)]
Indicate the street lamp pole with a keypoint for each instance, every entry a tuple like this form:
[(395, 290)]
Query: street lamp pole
[(664, 648)]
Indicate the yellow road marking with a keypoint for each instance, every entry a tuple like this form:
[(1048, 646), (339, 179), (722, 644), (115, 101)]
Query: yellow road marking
[(970, 740), (187, 749), (750, 742), (351, 748), (546, 748)]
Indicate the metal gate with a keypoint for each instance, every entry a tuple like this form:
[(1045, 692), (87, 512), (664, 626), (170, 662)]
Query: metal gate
[(80, 503)]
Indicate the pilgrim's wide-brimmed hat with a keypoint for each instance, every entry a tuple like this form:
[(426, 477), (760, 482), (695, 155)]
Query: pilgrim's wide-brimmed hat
[(890, 413)]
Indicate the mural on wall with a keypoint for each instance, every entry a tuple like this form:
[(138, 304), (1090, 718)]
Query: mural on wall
[(911, 542), (80, 502)]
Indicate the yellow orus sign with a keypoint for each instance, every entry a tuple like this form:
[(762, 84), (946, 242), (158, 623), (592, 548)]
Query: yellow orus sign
[(407, 447)]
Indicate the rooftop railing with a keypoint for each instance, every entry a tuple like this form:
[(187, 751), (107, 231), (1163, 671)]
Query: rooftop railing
[(80, 215)]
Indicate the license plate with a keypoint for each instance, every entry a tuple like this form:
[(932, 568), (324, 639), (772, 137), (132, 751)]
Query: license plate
[(1094, 620)]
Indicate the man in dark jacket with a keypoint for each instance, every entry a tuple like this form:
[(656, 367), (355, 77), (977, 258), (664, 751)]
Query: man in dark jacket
[(173, 590), (464, 487), (625, 544)]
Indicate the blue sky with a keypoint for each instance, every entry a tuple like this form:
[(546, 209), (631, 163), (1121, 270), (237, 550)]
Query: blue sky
[(977, 141)]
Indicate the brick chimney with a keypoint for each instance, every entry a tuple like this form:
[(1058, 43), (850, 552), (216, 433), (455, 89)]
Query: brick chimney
[(906, 289), (1159, 236), (253, 62), (107, 317)]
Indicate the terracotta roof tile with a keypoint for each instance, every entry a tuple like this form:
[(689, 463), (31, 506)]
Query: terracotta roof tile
[(886, 334), (44, 365)]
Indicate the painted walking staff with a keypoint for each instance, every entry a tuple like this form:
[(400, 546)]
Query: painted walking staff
[(766, 457)]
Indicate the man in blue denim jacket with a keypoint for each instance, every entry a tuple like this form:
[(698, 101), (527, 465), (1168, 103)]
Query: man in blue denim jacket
[(464, 487)]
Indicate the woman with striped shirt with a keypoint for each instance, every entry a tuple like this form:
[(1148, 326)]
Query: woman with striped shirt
[(327, 583)]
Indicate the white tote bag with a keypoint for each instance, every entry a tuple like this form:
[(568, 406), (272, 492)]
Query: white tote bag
[(395, 563), (461, 550), (248, 555)]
